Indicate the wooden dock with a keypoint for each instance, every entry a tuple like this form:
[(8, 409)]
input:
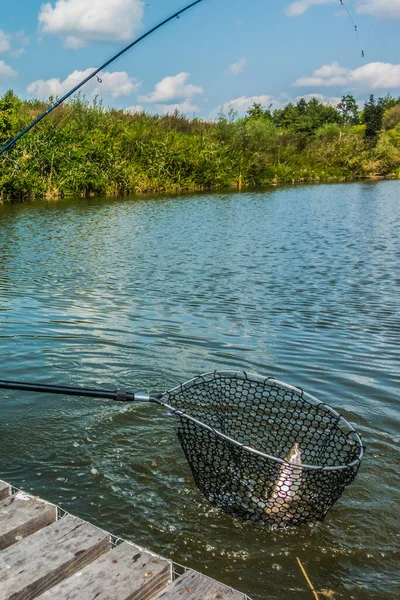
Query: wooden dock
[(47, 554)]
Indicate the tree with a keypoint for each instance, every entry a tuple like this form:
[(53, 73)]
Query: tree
[(6, 114), (391, 118), (306, 117), (388, 101), (256, 111), (372, 117), (286, 117), (349, 111)]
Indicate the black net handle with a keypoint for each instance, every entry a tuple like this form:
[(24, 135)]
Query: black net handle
[(116, 395)]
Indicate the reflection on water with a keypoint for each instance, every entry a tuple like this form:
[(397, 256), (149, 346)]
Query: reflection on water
[(300, 283)]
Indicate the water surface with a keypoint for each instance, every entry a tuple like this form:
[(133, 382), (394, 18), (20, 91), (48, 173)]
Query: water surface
[(301, 283)]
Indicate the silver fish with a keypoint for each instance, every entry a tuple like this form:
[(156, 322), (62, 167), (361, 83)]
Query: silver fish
[(287, 484)]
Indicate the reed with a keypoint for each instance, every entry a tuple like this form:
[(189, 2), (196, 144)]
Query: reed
[(85, 149)]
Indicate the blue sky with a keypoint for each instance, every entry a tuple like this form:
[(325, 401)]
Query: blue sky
[(221, 52)]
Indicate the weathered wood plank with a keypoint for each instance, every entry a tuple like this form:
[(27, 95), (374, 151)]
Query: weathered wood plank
[(72, 560), (22, 515), (124, 573), (40, 561), (4, 490), (194, 586)]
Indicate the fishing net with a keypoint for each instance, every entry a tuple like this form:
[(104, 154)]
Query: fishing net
[(262, 450)]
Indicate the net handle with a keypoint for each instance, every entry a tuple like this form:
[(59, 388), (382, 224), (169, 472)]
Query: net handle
[(115, 395)]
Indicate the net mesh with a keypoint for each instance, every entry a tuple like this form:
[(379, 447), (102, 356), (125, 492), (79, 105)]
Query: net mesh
[(262, 450)]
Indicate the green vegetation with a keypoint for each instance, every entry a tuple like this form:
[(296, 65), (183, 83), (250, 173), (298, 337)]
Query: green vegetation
[(84, 149)]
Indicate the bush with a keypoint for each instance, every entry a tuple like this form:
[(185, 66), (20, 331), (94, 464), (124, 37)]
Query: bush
[(84, 149), (391, 118), (329, 131)]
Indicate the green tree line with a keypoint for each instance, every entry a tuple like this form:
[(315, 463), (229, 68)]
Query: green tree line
[(83, 148)]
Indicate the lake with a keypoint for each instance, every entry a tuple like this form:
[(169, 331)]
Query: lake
[(302, 283)]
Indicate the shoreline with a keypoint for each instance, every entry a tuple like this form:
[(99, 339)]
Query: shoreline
[(193, 190)]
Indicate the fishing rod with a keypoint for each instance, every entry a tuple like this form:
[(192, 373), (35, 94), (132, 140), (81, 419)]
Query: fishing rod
[(95, 73), (355, 26)]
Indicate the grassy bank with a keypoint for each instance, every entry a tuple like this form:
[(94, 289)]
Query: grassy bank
[(84, 149)]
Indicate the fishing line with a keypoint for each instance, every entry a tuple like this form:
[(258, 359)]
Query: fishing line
[(355, 26), (176, 15)]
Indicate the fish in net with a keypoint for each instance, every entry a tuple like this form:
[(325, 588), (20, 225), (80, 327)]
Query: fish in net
[(262, 450)]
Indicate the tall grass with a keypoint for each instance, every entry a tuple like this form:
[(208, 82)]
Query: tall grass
[(85, 149)]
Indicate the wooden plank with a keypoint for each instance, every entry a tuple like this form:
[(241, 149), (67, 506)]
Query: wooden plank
[(4, 490), (40, 561), (194, 586), (71, 560), (124, 573), (22, 515)]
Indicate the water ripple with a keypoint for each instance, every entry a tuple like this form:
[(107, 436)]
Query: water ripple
[(301, 283)]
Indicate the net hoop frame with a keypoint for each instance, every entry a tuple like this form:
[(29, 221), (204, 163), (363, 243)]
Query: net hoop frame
[(264, 381)]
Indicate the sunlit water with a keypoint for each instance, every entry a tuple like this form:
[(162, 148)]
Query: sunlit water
[(301, 283)]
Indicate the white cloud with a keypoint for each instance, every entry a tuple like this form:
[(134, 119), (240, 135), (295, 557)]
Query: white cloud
[(327, 75), (6, 71), (82, 21), (114, 84), (376, 75), (15, 44), (389, 9), (185, 107), (133, 110), (5, 45), (301, 6), (330, 100), (74, 43), (384, 9), (237, 67), (172, 90), (331, 71), (242, 104), (372, 76)]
